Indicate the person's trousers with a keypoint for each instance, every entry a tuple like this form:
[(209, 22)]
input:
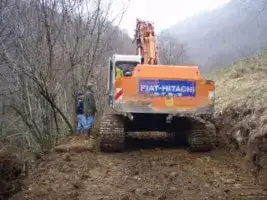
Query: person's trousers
[(84, 123)]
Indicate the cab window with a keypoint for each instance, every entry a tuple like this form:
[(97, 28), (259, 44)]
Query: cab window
[(126, 66)]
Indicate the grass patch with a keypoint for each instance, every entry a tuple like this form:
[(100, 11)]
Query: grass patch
[(243, 82)]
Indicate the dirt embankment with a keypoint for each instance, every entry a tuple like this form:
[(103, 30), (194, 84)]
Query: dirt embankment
[(240, 129), (241, 104), (10, 174)]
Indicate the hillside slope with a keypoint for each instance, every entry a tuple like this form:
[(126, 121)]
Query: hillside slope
[(243, 81), (217, 38), (241, 99)]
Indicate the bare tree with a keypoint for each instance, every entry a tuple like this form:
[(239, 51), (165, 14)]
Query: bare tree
[(57, 47), (171, 51)]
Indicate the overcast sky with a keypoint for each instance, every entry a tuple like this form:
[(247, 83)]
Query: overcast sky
[(163, 13)]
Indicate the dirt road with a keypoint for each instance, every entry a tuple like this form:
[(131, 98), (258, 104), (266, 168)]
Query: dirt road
[(153, 173)]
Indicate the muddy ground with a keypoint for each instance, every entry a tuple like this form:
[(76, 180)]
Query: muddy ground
[(155, 172)]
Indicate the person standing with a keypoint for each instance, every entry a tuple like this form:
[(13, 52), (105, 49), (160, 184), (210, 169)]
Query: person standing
[(119, 72), (89, 107), (80, 113)]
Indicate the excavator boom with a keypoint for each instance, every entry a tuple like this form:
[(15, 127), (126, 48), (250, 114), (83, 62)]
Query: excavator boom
[(146, 45)]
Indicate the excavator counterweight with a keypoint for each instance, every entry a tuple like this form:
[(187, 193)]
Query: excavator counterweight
[(152, 98)]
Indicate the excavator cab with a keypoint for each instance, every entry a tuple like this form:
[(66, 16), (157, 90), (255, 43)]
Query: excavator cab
[(126, 63)]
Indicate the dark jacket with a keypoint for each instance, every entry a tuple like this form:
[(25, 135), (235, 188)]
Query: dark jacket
[(79, 107), (89, 104)]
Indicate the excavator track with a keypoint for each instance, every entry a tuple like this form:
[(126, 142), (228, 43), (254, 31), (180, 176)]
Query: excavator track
[(202, 136), (111, 135)]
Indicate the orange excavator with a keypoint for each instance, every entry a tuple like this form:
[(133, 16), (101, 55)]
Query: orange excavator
[(152, 98)]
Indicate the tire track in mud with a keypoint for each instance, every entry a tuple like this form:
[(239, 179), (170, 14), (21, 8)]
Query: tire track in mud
[(148, 174), (170, 174)]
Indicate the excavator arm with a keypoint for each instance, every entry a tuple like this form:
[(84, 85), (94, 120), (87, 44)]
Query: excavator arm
[(146, 42)]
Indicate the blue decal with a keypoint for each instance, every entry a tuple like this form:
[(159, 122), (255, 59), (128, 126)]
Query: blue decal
[(179, 88)]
